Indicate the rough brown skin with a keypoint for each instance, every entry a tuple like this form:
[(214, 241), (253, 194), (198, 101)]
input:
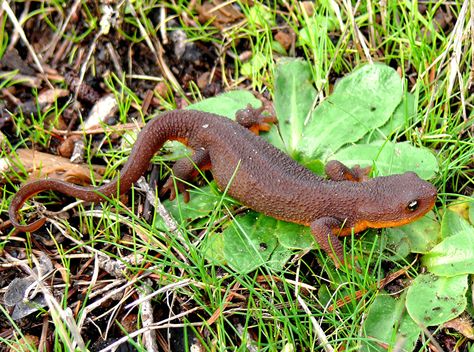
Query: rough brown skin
[(263, 178)]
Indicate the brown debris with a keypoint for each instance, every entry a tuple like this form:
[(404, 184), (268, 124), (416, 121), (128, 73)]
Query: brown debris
[(44, 101), (66, 148), (41, 165), (463, 325), (285, 39), (308, 7), (26, 340), (11, 60), (84, 91), (218, 13)]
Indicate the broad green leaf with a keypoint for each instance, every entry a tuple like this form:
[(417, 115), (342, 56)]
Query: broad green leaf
[(404, 111), (390, 158), (227, 104), (279, 258), (388, 323), (278, 48), (433, 300), (273, 137), (361, 101), (294, 236), (294, 99), (260, 15), (213, 248), (202, 202), (420, 236), (453, 223), (249, 242), (254, 239), (397, 244), (317, 166), (454, 256)]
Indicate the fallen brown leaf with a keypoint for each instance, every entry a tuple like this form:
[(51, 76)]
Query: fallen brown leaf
[(219, 13), (463, 325), (285, 39), (41, 165)]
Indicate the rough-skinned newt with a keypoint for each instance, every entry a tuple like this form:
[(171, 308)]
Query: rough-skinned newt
[(261, 177)]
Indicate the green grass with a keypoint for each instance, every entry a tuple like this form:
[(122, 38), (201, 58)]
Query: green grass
[(260, 309)]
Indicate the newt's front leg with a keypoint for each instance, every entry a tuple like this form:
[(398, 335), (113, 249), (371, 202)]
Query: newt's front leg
[(322, 230), (254, 119), (337, 171)]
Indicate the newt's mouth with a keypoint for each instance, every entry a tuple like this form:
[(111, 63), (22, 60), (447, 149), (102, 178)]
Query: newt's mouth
[(402, 216)]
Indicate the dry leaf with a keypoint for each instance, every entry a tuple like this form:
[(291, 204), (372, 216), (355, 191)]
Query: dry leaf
[(51, 95), (308, 7), (219, 14), (104, 108), (41, 165), (25, 340), (66, 148), (463, 325), (284, 39), (22, 293)]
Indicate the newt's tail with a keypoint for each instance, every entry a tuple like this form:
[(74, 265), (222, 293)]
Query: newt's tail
[(173, 125)]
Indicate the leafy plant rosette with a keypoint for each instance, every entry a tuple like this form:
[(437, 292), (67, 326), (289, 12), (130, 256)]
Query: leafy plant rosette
[(435, 298), (354, 125)]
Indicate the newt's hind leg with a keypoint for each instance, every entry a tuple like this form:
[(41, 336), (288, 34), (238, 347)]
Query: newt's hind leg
[(184, 171), (322, 231), (254, 120), (337, 171)]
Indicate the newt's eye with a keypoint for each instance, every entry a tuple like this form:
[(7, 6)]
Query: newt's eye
[(413, 205)]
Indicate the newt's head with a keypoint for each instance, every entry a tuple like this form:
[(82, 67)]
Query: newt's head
[(397, 200)]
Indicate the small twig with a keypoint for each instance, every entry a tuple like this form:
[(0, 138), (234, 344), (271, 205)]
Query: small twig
[(337, 11), (161, 325), (164, 35), (105, 20), (98, 130), (44, 334), (28, 81), (219, 310), (60, 317), (15, 36), (170, 287), (359, 37), (432, 339), (149, 337), (454, 71), (163, 212), (244, 335), (115, 59), (100, 301)]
